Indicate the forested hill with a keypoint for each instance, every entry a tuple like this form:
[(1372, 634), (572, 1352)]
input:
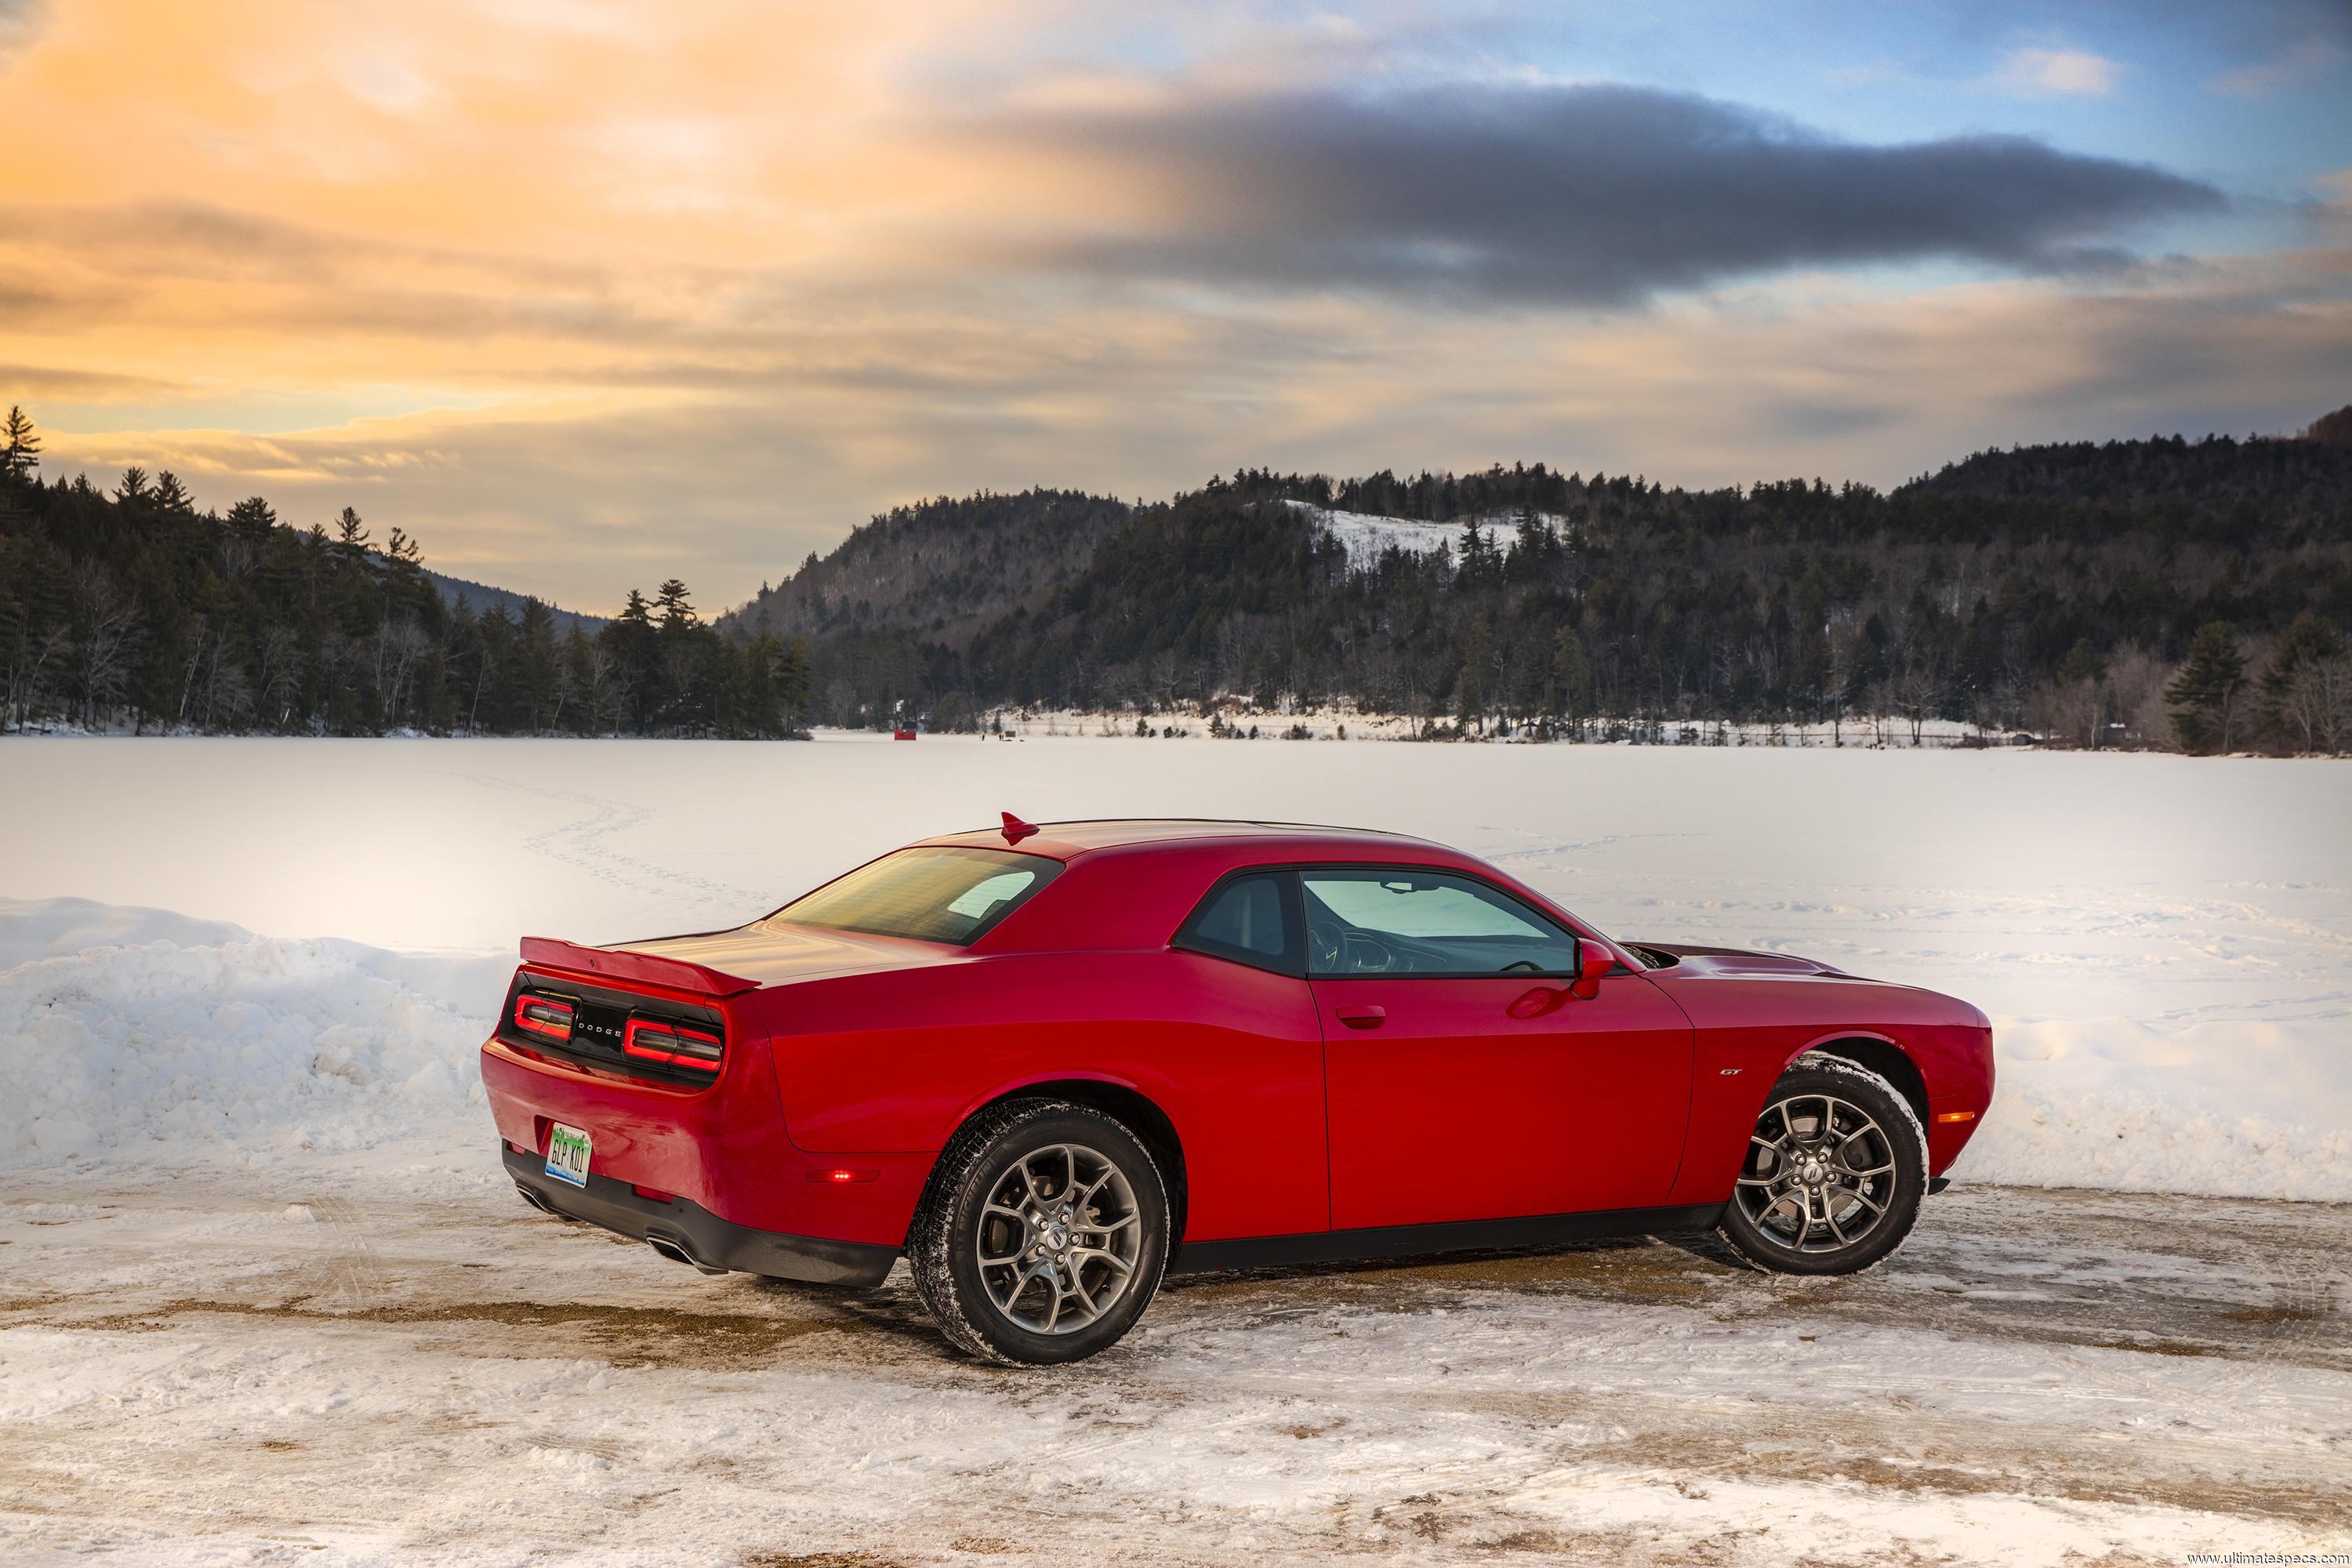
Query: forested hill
[(479, 597), (944, 567), (132, 608), (2306, 476), (2059, 588)]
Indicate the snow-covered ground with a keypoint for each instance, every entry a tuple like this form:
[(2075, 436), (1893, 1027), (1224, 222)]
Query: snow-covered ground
[(265, 1295), (308, 1368)]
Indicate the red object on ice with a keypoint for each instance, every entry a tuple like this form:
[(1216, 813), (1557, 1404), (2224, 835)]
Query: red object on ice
[(1326, 1044), (902, 734)]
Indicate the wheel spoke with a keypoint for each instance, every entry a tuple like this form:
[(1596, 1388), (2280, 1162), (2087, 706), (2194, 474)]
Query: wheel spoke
[(1005, 1302)]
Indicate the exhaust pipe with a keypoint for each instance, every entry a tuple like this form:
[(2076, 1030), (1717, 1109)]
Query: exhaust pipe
[(532, 1197), (677, 1253)]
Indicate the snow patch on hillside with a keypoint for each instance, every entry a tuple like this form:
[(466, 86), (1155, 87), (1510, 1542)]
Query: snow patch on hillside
[(1367, 537)]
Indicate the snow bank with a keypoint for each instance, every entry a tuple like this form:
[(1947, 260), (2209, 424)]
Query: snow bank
[(149, 1035), (2250, 1110)]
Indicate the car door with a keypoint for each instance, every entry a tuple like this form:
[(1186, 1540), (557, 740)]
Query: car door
[(1463, 1081)]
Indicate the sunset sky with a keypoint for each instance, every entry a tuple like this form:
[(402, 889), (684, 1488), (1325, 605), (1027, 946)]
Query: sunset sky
[(589, 294)]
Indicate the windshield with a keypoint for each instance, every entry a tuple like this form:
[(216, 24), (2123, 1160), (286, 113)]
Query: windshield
[(938, 894)]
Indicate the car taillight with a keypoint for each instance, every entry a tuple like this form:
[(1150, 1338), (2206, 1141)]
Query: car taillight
[(658, 1040), (543, 1016)]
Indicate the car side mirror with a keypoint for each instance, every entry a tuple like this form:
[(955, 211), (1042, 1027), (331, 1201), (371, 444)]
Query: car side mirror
[(1593, 962)]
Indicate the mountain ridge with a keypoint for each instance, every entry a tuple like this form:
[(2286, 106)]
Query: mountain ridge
[(1971, 593)]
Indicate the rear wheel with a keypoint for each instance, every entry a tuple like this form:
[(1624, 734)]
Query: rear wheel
[(1835, 1170), (1042, 1234)]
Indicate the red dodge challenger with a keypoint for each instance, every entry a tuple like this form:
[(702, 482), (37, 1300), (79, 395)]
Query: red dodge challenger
[(1047, 1065)]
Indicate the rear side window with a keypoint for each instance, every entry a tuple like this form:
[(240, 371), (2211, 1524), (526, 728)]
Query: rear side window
[(1251, 918), (937, 894)]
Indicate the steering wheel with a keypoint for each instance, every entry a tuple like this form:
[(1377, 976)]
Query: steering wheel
[(1324, 941)]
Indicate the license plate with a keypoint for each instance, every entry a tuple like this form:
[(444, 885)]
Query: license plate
[(567, 1155)]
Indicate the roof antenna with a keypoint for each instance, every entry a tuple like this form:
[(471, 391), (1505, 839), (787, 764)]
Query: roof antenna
[(1015, 830)]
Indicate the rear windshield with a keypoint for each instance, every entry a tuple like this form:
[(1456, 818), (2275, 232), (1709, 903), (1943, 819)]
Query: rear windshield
[(931, 895)]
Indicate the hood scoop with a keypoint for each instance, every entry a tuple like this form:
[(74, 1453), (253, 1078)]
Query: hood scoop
[(1731, 962)]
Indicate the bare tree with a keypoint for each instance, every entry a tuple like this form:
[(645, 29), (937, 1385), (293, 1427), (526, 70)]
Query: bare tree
[(400, 648), (281, 673), (110, 627), (2318, 703), (226, 695), (2135, 683)]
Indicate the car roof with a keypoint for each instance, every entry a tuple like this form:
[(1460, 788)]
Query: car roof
[(1066, 841)]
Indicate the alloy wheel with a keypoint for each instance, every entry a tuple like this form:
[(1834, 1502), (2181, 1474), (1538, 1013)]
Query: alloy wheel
[(1058, 1239), (1820, 1175)]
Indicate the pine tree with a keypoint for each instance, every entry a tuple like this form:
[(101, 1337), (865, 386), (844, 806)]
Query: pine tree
[(252, 520), (2208, 695), (1478, 652), (20, 448), (351, 538)]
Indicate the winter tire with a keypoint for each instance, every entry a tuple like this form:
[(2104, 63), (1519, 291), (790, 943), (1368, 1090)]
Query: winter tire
[(1042, 1235), (1835, 1170)]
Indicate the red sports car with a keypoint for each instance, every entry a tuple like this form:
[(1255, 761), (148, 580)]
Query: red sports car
[(1049, 1064)]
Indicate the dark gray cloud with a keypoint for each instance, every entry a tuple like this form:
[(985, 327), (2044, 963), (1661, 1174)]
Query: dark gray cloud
[(18, 19), (1572, 195)]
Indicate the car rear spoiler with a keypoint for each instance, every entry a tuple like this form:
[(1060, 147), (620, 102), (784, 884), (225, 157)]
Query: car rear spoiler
[(643, 968)]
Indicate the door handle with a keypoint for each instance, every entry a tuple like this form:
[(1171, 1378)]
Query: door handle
[(1362, 1017)]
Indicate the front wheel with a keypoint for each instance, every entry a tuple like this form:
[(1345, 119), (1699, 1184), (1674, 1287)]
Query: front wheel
[(1043, 1234), (1835, 1172)]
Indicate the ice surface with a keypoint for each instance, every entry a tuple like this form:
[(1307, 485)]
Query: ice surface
[(2165, 944)]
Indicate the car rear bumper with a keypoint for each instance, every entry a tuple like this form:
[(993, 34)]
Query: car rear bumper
[(683, 1229)]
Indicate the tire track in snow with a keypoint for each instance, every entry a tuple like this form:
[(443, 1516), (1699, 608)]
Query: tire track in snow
[(585, 844)]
